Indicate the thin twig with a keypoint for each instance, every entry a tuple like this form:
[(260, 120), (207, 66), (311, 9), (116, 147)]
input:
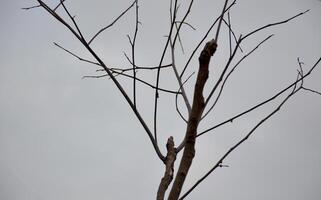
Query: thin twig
[(148, 68), (133, 43), (202, 40), (58, 5), (111, 24), (129, 76), (176, 98), (158, 70), (231, 31), (74, 55), (310, 90), (220, 22), (179, 39), (185, 23), (31, 7), (37, 6), (187, 103), (274, 24), (72, 19), (182, 21)]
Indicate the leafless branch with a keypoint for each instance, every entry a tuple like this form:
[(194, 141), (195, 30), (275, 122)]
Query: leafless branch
[(182, 21), (224, 71), (310, 90), (231, 71), (169, 169), (160, 64), (263, 102), (188, 105), (204, 37), (148, 68), (193, 120), (234, 147), (220, 22), (274, 24), (179, 39), (129, 76), (176, 99), (133, 43), (228, 24), (74, 55), (72, 19), (185, 23), (111, 24), (31, 7), (219, 163), (118, 85), (229, 32), (38, 6)]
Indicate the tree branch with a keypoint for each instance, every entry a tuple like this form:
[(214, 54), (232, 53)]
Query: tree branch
[(231, 71), (194, 119), (111, 24), (274, 24), (262, 103), (169, 169), (202, 40), (219, 163), (118, 85)]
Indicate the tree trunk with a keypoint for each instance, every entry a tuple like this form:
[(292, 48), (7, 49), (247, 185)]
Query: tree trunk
[(194, 119)]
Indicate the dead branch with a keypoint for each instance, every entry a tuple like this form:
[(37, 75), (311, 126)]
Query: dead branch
[(112, 23), (181, 86), (160, 64), (295, 89), (218, 164), (176, 99), (169, 169), (118, 85), (194, 119), (262, 103), (203, 39), (74, 55), (231, 71), (220, 22), (139, 80), (274, 24), (224, 70), (38, 6)]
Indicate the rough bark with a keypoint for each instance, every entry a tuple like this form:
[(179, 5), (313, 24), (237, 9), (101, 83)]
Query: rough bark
[(169, 170), (194, 119)]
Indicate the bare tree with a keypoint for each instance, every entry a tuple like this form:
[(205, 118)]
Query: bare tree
[(200, 105)]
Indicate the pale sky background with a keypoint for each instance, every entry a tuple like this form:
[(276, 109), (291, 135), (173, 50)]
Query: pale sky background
[(67, 138)]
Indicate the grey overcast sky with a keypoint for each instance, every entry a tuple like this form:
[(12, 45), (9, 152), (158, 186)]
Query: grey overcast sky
[(67, 138)]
